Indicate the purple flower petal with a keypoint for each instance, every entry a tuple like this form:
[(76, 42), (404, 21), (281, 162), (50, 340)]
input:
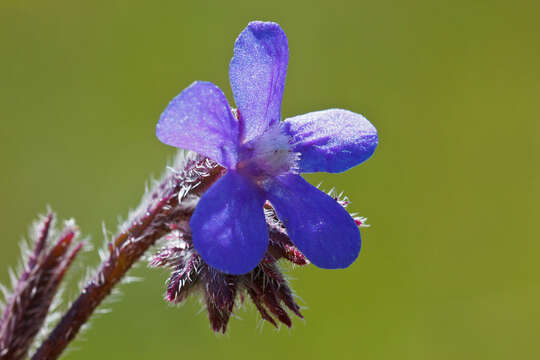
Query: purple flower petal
[(257, 72), (331, 140), (228, 226), (316, 223), (200, 119)]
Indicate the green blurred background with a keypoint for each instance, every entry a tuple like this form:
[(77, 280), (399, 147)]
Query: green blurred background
[(449, 268)]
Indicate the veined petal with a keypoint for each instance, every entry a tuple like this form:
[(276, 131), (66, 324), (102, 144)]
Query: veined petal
[(200, 119), (257, 72), (316, 223), (332, 140), (228, 226)]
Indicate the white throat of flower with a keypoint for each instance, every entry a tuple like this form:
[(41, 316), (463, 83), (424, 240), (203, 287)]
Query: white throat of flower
[(270, 154)]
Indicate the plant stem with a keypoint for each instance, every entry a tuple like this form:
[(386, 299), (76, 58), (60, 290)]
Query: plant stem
[(126, 249)]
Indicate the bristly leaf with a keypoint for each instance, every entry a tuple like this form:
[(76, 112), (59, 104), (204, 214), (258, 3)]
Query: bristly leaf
[(34, 291)]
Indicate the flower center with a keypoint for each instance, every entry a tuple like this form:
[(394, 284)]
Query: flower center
[(268, 155)]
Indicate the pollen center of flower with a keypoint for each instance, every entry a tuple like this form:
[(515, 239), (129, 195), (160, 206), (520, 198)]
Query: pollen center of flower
[(268, 155)]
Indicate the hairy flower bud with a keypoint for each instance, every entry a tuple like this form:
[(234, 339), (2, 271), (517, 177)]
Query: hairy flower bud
[(265, 285)]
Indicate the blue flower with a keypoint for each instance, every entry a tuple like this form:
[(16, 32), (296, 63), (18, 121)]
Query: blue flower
[(264, 158)]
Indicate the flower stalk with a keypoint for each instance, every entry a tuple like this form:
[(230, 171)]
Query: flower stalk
[(159, 211)]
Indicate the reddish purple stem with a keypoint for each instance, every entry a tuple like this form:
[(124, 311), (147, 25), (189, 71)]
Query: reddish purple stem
[(126, 249)]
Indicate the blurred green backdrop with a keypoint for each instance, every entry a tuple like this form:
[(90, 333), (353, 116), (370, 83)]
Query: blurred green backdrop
[(449, 268)]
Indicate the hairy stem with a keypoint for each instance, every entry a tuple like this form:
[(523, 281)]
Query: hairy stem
[(128, 247)]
